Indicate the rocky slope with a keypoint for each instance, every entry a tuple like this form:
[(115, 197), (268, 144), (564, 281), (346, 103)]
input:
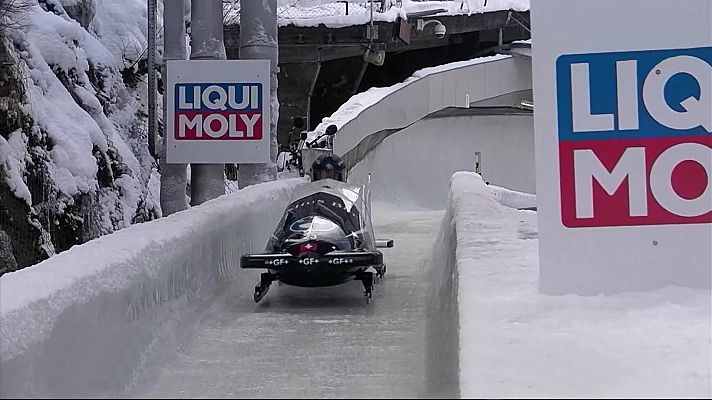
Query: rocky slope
[(74, 162)]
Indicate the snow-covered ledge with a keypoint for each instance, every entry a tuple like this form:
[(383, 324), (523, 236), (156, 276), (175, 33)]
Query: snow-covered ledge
[(85, 321), (449, 316), (457, 84), (508, 340)]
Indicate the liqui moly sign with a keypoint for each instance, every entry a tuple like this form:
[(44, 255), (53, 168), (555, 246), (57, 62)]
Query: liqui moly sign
[(224, 111), (218, 111), (635, 137)]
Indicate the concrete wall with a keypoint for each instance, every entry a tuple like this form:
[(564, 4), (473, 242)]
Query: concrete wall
[(88, 321), (432, 90)]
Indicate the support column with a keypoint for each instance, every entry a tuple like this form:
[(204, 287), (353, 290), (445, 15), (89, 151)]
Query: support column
[(207, 180), (174, 177), (258, 41)]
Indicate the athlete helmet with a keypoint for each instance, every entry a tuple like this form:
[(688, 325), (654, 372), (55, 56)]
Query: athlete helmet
[(329, 166)]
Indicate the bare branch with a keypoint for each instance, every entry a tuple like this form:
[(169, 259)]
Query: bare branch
[(12, 13)]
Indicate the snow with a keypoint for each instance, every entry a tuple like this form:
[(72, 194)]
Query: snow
[(515, 342), (71, 129), (52, 40), (332, 14), (12, 164), (120, 297), (109, 305), (121, 28), (61, 43), (41, 281), (76, 97), (512, 198)]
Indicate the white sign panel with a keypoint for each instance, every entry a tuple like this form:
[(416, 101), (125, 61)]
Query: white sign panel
[(218, 111), (623, 123)]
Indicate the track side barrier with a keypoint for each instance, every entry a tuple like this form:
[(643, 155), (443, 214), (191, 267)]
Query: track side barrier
[(449, 321), (87, 321)]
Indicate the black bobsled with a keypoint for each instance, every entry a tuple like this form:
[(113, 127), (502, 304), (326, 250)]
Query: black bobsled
[(324, 238)]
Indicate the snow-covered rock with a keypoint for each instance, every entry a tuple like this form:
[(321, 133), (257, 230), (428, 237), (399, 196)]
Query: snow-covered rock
[(82, 11), (77, 155)]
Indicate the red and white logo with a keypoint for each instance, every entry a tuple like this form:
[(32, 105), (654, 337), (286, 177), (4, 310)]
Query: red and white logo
[(206, 111), (635, 142)]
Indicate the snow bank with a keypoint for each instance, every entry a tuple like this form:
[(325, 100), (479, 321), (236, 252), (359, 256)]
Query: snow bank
[(513, 198), (85, 322), (515, 342)]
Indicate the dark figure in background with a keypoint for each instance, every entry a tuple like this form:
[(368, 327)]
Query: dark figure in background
[(295, 134)]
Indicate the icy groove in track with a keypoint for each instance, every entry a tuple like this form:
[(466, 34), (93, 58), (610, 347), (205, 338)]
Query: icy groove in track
[(326, 342)]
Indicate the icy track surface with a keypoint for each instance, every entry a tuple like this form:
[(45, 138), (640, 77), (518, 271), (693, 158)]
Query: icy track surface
[(315, 342)]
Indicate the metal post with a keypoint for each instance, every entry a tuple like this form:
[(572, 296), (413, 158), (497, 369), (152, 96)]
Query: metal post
[(207, 181), (371, 15), (370, 34), (174, 177), (311, 91), (258, 41), (357, 83), (152, 123)]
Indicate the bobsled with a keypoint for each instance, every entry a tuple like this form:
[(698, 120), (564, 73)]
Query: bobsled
[(324, 238)]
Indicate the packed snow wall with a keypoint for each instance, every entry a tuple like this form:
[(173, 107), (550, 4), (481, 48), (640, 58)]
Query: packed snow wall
[(87, 321), (449, 318)]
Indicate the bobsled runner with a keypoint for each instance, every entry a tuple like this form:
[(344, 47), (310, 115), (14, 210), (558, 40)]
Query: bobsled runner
[(325, 236)]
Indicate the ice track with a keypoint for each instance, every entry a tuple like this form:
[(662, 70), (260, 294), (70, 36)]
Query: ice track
[(312, 342)]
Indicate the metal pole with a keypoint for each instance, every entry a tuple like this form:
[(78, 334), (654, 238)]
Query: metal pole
[(174, 177), (258, 41), (357, 83), (152, 123), (207, 181), (371, 15), (311, 91), (371, 31)]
